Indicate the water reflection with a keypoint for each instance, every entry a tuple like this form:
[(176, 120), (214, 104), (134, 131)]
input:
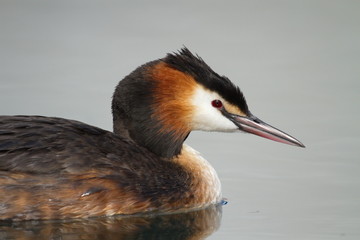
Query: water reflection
[(191, 225)]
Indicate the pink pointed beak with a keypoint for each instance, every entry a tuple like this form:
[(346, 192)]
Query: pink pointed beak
[(255, 126)]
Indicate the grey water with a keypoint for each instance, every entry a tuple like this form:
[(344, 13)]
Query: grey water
[(297, 62)]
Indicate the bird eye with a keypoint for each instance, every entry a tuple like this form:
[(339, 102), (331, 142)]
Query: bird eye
[(216, 103)]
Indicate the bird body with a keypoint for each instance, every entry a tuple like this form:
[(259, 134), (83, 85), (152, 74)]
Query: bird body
[(54, 168)]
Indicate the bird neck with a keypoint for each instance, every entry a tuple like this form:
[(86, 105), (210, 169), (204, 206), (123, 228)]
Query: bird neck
[(150, 134), (149, 108)]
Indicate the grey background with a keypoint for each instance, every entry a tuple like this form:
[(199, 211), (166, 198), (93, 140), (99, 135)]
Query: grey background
[(298, 63)]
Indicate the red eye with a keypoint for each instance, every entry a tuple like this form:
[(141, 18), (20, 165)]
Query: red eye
[(216, 103)]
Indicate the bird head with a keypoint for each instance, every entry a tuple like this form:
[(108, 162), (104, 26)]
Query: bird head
[(161, 102)]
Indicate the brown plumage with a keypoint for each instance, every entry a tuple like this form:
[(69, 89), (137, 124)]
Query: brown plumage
[(57, 168), (171, 100), (54, 168)]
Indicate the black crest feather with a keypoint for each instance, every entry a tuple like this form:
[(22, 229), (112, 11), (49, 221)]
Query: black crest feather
[(195, 66)]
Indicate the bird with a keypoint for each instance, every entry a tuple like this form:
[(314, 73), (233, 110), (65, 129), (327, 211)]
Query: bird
[(56, 168)]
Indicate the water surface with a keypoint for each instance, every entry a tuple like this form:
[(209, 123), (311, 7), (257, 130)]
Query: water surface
[(296, 61)]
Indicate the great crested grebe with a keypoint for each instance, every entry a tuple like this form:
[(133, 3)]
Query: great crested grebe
[(53, 168)]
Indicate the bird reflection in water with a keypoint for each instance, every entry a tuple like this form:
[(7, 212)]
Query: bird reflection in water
[(189, 225)]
